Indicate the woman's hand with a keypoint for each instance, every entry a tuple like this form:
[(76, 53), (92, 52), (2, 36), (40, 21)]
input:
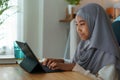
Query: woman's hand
[(61, 66), (49, 61), (58, 64)]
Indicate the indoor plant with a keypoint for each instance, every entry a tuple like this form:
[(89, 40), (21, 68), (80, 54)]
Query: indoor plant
[(3, 7), (72, 4)]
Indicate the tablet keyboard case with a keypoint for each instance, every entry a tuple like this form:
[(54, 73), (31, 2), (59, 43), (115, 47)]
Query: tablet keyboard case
[(31, 65)]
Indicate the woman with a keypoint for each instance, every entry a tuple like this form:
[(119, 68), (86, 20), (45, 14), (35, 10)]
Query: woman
[(98, 54)]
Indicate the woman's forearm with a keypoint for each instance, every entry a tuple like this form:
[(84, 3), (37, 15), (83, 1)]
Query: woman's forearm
[(67, 67), (61, 60)]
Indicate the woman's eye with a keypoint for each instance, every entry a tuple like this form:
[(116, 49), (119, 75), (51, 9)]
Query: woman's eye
[(76, 24), (82, 24)]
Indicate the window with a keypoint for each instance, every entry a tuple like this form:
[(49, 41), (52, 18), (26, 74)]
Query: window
[(8, 29)]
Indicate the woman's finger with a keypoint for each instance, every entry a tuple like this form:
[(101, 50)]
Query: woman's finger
[(49, 62), (52, 65), (55, 68), (45, 61)]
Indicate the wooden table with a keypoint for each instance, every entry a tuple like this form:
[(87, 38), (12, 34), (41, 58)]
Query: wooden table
[(15, 72)]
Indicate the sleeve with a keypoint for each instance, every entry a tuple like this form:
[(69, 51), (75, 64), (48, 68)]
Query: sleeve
[(106, 73), (67, 61)]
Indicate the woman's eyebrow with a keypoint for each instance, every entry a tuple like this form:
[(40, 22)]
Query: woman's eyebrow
[(79, 21), (82, 21)]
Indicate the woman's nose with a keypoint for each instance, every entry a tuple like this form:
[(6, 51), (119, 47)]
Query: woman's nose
[(79, 29)]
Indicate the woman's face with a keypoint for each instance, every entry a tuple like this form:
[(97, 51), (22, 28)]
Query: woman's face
[(82, 28)]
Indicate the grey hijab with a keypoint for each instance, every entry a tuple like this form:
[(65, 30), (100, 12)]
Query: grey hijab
[(101, 39)]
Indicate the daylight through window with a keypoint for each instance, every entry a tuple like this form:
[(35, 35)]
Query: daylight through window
[(8, 28)]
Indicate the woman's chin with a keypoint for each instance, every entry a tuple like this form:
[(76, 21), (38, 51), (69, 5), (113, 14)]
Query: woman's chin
[(84, 39)]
